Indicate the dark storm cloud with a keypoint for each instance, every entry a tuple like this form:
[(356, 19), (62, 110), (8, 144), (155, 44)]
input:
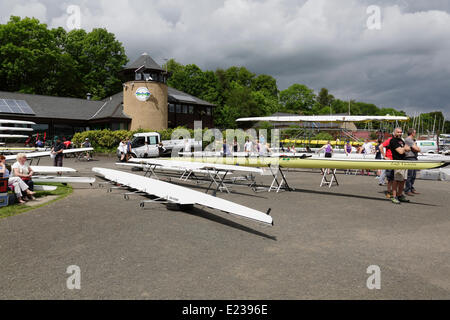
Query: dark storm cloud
[(321, 43)]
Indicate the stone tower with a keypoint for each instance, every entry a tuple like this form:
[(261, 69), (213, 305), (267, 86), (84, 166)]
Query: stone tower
[(145, 94)]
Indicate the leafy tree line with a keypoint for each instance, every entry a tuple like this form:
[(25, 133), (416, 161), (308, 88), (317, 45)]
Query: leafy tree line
[(38, 60), (237, 92)]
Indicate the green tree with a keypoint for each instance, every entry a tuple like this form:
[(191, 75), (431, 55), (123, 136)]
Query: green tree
[(266, 84), (324, 98), (99, 57), (75, 63), (25, 46), (298, 98)]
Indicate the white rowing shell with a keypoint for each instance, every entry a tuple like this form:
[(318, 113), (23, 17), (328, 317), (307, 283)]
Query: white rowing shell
[(31, 155), (195, 165), (56, 179), (50, 169), (15, 129), (39, 187), (162, 168), (12, 136), (181, 195), (16, 121)]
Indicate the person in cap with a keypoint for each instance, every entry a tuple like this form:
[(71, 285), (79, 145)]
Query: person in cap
[(87, 144), (347, 147)]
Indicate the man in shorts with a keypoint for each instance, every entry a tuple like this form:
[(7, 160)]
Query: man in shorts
[(399, 149)]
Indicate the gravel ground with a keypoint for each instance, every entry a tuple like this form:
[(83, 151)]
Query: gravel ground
[(320, 247)]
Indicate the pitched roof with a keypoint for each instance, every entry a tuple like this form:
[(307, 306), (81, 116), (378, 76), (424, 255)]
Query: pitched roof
[(180, 96), (112, 107), (83, 109), (144, 60), (68, 108)]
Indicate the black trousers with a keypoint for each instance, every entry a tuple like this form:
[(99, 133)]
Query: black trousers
[(30, 185)]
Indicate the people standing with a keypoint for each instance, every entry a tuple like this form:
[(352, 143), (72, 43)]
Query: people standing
[(67, 143), (328, 150), (367, 149), (248, 146), (129, 150), (236, 146), (161, 149), (57, 151), (378, 154), (348, 148), (264, 149), (386, 174), (87, 144), (399, 149), (411, 156), (225, 148), (122, 150)]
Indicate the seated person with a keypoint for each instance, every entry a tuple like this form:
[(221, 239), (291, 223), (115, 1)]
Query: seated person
[(22, 169), (20, 187), (39, 143)]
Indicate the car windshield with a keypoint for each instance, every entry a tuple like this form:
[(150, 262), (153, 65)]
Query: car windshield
[(137, 142)]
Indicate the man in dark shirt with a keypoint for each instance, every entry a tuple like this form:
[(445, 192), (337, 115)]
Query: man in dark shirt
[(399, 150), (57, 150)]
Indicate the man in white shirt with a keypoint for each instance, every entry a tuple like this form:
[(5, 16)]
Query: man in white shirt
[(368, 147), (248, 146)]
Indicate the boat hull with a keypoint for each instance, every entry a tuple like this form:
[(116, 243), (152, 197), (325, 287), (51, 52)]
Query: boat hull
[(317, 163)]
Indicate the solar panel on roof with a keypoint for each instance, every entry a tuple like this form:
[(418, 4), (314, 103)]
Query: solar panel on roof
[(15, 106), (24, 106)]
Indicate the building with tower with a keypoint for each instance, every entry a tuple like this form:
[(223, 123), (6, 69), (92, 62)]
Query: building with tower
[(146, 102)]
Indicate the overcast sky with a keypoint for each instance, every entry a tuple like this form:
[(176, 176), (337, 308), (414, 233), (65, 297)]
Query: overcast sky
[(404, 64)]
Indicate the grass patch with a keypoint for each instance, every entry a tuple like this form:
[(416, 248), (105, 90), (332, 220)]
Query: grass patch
[(61, 192)]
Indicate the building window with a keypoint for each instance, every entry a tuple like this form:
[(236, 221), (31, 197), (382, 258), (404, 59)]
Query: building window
[(185, 109), (138, 76), (208, 111), (191, 109), (63, 130), (178, 108), (171, 107)]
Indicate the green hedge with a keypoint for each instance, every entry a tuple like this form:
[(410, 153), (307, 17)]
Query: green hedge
[(107, 140)]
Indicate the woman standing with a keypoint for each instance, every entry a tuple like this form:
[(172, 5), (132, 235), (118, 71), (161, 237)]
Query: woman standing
[(328, 150), (348, 148), (122, 150), (379, 156), (236, 147)]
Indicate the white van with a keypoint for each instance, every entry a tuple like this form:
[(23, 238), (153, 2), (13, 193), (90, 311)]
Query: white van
[(140, 150), (427, 146)]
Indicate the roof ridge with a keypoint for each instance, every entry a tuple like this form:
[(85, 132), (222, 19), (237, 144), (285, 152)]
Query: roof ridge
[(48, 96)]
